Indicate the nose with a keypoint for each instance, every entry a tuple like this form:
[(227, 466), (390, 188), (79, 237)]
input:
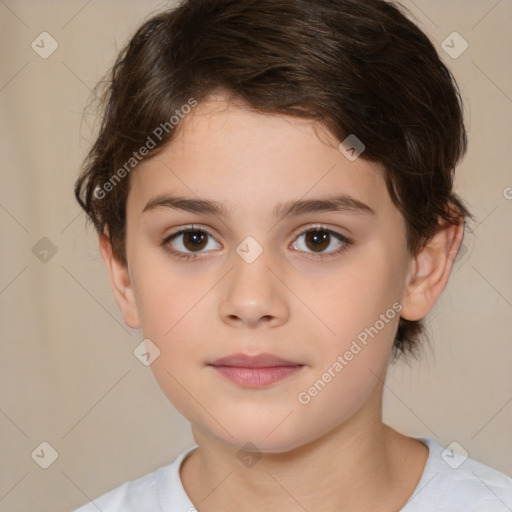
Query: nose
[(254, 294)]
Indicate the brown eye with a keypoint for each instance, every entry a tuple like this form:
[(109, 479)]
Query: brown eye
[(316, 241), (195, 240), (189, 242)]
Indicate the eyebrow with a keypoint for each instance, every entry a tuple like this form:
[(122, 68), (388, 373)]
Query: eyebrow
[(342, 203)]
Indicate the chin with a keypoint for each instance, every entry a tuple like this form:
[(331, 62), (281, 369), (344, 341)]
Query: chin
[(266, 435)]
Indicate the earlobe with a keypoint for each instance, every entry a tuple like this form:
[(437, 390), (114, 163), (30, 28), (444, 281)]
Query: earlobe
[(430, 270), (121, 283)]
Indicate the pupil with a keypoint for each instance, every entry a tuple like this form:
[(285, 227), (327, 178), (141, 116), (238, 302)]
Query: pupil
[(194, 237), (318, 236)]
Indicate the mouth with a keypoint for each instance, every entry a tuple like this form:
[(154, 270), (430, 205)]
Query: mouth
[(255, 371)]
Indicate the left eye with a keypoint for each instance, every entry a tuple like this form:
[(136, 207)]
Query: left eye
[(319, 239), (190, 243)]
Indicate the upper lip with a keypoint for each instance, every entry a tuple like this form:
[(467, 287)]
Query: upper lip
[(257, 361)]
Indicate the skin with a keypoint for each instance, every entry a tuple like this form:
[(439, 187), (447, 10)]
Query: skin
[(334, 450)]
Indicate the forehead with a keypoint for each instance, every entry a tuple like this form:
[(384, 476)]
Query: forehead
[(245, 159)]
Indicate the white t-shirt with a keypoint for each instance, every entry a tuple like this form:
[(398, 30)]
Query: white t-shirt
[(449, 483)]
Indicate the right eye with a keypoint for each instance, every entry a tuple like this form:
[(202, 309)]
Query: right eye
[(187, 243)]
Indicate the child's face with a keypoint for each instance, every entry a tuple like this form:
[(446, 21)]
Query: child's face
[(286, 302)]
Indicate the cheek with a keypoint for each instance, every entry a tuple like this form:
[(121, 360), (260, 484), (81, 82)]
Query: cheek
[(361, 308), (355, 296), (170, 308), (175, 311), (166, 293), (350, 371)]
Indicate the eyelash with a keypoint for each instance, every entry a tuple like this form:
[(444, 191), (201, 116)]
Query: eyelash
[(316, 256)]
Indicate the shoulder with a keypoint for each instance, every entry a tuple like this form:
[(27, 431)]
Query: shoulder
[(453, 482), (156, 491)]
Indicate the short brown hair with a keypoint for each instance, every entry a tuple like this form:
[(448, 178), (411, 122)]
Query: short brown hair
[(358, 67)]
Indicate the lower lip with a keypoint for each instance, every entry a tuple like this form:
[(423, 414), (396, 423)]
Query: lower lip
[(256, 377)]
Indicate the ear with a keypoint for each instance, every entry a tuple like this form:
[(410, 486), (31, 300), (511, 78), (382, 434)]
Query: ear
[(121, 283), (429, 271)]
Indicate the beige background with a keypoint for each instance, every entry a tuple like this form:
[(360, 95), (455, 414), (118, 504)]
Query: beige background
[(68, 374)]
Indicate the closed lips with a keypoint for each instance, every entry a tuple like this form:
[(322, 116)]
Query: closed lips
[(258, 361)]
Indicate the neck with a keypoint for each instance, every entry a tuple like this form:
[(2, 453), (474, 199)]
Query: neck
[(361, 465)]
